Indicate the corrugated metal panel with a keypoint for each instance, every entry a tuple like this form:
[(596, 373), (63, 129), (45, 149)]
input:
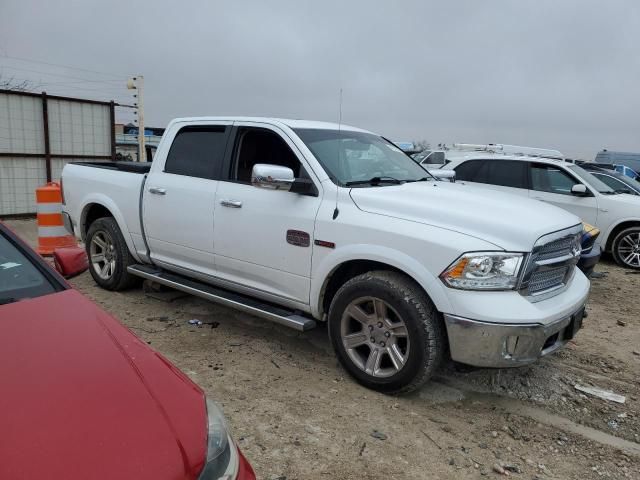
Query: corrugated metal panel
[(79, 128), (21, 124), (19, 178)]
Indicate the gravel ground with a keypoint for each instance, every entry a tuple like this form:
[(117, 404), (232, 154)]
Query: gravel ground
[(297, 415)]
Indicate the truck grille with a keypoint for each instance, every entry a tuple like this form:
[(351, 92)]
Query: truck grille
[(552, 262)]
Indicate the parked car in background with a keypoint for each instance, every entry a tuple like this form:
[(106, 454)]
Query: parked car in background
[(430, 159), (83, 397), (617, 181), (565, 185), (406, 269), (622, 159), (591, 252)]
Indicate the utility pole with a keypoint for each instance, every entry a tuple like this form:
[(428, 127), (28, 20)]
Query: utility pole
[(137, 83)]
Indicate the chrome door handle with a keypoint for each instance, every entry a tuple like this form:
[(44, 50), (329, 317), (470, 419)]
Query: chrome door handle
[(231, 203), (158, 190)]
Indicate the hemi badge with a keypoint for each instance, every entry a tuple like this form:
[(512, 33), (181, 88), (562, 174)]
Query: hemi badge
[(322, 243), (298, 238)]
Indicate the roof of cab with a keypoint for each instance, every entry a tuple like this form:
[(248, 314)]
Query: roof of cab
[(291, 123)]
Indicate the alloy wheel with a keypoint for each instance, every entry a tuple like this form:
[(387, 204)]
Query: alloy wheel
[(102, 254), (629, 249), (375, 337)]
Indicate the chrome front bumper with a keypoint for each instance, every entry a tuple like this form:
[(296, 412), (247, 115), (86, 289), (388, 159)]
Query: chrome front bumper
[(500, 345)]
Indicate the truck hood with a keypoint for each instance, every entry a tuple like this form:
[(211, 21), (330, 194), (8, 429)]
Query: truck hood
[(84, 398), (510, 222)]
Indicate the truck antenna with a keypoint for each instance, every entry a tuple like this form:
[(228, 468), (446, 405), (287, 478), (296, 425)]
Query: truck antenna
[(335, 210)]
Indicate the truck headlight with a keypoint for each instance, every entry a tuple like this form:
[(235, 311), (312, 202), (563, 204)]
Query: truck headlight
[(484, 271), (221, 462)]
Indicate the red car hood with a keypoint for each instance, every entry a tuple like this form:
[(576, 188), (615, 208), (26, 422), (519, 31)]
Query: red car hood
[(83, 398)]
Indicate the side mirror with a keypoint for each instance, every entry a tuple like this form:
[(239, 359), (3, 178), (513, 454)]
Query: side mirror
[(579, 190), (274, 177), (441, 174)]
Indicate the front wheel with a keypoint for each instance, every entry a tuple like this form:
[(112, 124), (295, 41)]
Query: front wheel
[(626, 248), (386, 332)]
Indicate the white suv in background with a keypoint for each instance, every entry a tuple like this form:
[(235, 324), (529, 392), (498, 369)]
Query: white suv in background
[(555, 181)]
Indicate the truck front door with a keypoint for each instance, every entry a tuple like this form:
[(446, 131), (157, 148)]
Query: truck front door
[(263, 239), (178, 202)]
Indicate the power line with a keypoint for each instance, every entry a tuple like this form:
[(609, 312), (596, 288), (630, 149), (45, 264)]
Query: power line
[(108, 82), (63, 66)]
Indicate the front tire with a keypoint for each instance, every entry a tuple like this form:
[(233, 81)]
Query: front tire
[(626, 248), (109, 255), (386, 332)]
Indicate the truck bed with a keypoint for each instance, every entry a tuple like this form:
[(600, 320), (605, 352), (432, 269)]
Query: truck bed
[(132, 167)]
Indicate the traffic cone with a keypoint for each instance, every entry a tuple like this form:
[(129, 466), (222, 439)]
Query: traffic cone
[(51, 231)]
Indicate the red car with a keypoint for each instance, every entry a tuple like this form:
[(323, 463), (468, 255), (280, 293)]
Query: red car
[(83, 398)]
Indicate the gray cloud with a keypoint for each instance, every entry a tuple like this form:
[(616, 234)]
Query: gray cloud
[(541, 73)]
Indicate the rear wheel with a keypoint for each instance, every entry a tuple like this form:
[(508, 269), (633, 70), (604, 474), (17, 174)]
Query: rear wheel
[(626, 248), (386, 332), (109, 255)]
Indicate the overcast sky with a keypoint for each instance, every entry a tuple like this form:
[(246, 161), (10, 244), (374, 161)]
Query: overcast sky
[(553, 73)]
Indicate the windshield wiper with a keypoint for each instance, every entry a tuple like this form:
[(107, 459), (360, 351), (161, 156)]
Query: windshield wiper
[(423, 179), (4, 301), (375, 181)]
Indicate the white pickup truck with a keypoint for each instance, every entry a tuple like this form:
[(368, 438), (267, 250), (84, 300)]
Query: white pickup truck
[(299, 221)]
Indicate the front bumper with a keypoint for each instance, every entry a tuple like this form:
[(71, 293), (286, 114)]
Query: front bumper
[(500, 345)]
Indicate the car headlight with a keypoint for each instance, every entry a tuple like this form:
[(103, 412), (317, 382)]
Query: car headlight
[(484, 271), (222, 459)]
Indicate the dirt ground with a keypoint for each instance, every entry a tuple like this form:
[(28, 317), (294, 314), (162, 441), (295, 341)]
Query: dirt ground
[(297, 415)]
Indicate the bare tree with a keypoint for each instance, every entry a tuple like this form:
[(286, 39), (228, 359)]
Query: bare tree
[(10, 83), (422, 145)]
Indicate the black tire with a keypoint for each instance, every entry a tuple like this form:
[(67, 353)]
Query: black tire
[(424, 327), (119, 279), (624, 243)]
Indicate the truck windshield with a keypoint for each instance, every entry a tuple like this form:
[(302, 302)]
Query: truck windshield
[(361, 159), (593, 182), (19, 278)]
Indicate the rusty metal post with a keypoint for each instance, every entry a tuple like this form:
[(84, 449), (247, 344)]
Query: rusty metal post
[(47, 146), (112, 114)]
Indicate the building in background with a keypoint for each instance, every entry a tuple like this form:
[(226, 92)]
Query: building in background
[(127, 141)]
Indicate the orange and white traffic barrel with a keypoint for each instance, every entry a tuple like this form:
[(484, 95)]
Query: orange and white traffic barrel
[(51, 231)]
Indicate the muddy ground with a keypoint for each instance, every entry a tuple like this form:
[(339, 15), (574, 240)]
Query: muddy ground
[(297, 415)]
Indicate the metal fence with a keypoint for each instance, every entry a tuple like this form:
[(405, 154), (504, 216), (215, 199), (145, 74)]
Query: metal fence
[(39, 134)]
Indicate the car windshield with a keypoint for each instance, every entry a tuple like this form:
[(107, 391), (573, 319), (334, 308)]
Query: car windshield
[(593, 182), (19, 277), (361, 159)]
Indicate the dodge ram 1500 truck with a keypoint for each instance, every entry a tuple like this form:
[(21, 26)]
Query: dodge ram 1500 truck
[(299, 221)]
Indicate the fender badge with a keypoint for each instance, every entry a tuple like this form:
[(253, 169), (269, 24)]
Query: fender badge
[(323, 243)]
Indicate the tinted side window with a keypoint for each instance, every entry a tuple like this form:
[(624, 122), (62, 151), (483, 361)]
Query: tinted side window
[(552, 179), (469, 171), (508, 173), (611, 181), (198, 151)]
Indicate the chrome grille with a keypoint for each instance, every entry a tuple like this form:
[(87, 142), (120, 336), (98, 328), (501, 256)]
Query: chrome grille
[(551, 263), (547, 279)]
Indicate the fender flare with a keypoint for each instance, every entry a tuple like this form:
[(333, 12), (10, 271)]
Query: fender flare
[(615, 225), (430, 283), (105, 202)]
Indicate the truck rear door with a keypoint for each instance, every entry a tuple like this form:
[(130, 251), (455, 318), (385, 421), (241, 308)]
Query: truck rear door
[(178, 201)]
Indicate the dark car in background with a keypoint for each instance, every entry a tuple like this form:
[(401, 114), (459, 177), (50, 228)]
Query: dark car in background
[(617, 181), (84, 398)]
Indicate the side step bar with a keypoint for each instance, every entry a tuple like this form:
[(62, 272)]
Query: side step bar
[(276, 314)]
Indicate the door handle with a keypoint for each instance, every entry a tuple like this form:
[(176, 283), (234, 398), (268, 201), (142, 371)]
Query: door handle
[(231, 203), (157, 190)]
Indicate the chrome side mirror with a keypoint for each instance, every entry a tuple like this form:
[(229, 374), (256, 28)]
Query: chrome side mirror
[(441, 174), (274, 177), (579, 190)]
